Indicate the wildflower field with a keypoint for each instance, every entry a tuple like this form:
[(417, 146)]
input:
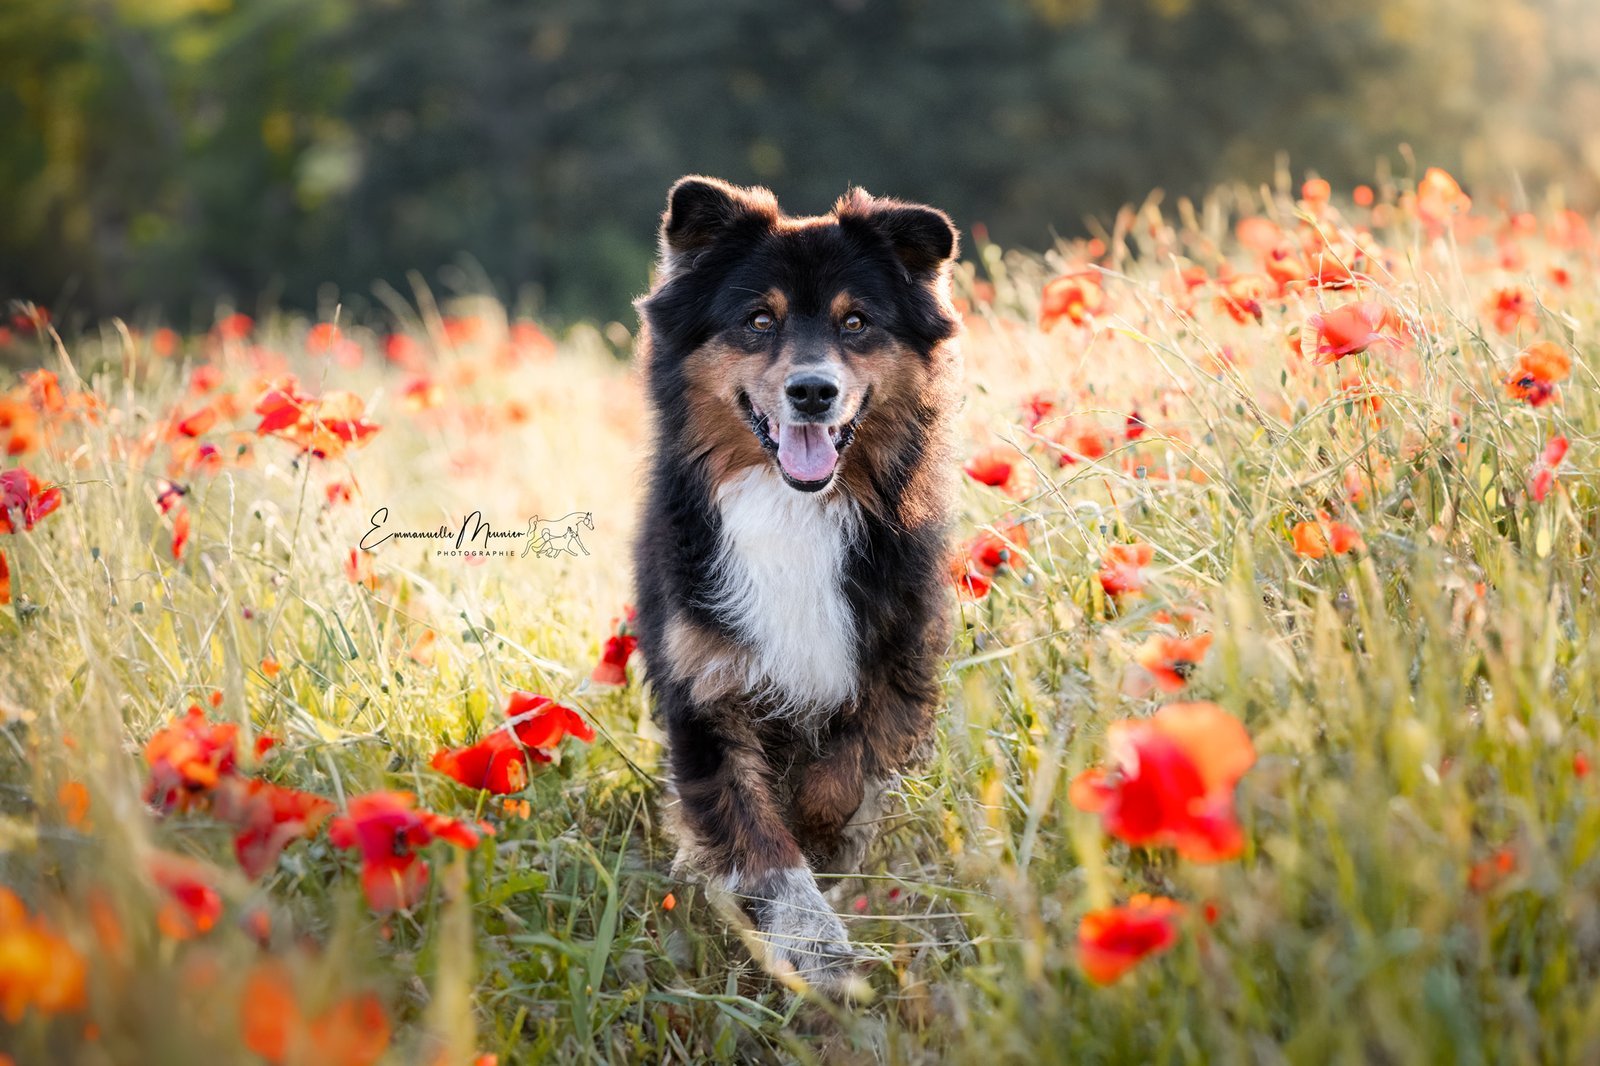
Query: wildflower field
[(1269, 722)]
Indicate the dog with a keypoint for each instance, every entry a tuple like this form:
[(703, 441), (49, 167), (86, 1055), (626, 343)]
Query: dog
[(792, 557)]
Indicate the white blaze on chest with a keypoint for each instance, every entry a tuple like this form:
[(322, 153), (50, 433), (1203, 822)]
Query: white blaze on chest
[(780, 574)]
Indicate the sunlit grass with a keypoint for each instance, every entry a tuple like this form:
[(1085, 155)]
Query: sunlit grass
[(1419, 880)]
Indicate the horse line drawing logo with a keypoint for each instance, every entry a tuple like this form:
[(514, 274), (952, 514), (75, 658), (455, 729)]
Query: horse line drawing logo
[(549, 543)]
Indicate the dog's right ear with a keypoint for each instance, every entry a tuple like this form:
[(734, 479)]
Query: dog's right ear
[(702, 210)]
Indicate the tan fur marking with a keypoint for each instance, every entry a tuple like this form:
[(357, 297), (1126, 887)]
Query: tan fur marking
[(715, 667), (842, 305), (904, 391), (712, 413)]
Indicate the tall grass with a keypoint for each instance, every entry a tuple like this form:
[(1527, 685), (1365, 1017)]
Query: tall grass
[(1420, 879)]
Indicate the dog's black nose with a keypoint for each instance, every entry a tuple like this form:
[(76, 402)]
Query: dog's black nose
[(811, 394)]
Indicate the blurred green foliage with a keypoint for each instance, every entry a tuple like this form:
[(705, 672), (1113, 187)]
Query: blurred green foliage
[(173, 153)]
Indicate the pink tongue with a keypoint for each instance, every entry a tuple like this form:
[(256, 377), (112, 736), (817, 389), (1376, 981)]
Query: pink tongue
[(805, 451)]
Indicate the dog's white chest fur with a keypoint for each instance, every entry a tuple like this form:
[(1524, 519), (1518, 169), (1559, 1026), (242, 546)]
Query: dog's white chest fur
[(780, 574)]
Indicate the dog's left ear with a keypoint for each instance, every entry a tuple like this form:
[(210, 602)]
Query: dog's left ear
[(923, 237)]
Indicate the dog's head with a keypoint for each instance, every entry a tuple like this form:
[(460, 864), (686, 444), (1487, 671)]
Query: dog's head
[(781, 340)]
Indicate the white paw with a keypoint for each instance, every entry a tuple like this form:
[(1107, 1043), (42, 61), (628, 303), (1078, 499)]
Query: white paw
[(799, 931)]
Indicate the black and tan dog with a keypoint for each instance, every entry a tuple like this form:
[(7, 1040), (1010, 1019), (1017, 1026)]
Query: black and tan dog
[(791, 556)]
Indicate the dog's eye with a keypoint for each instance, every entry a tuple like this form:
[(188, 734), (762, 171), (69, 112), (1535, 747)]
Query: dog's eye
[(762, 322), (853, 323)]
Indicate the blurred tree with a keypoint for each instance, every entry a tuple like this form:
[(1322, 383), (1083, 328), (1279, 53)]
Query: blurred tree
[(175, 152)]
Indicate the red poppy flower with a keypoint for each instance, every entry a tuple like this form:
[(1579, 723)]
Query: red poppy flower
[(1513, 308), (1347, 330), (321, 338), (1489, 872), (989, 551), (1286, 267), (39, 968), (1122, 570), (1114, 940), (323, 427), (387, 828), (190, 904), (1242, 296), (541, 723), (235, 327), (1540, 367), (1544, 471), (498, 763), (1075, 297), (180, 531), (1172, 659), (267, 818), (204, 378), (528, 341), (1315, 540), (970, 583), (404, 350), (169, 495), (994, 466), (1036, 409), (1171, 781), (1081, 444), (197, 424), (24, 501), (1260, 235), (360, 569), (1439, 197), (187, 759), (612, 669), (354, 1031)]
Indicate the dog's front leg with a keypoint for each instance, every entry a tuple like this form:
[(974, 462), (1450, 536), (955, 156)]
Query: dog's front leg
[(724, 786), (839, 799)]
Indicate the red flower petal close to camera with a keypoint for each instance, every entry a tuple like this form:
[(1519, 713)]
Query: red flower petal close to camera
[(39, 968), (190, 905), (24, 501), (1171, 781), (1114, 940), (388, 829), (355, 1031)]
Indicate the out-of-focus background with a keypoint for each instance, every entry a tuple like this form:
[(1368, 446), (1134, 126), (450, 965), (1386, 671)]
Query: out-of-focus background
[(165, 155)]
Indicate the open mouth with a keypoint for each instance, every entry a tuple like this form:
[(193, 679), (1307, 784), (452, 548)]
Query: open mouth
[(807, 452)]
